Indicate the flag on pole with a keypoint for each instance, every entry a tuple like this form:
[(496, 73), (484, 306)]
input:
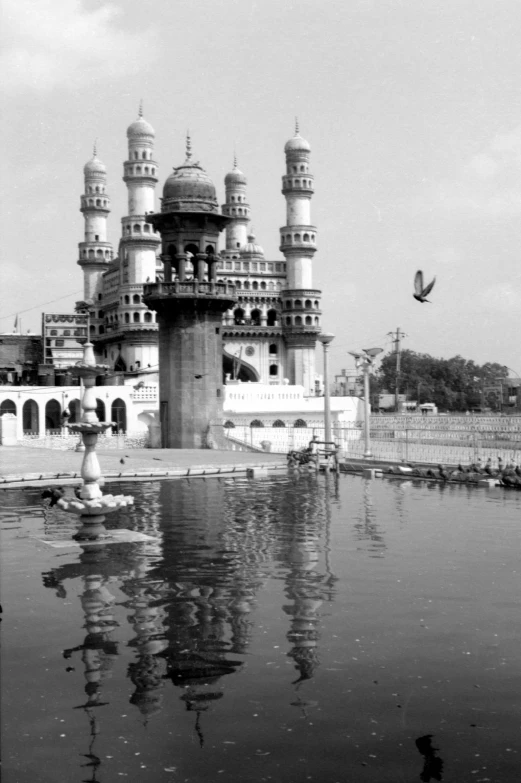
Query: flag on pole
[(15, 327)]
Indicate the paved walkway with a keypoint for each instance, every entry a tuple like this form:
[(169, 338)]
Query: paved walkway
[(20, 464)]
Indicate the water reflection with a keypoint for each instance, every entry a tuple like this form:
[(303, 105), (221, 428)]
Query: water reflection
[(367, 529)]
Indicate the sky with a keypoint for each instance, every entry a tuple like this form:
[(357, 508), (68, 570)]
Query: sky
[(412, 110)]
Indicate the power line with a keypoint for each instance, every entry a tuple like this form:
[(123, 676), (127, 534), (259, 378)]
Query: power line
[(28, 310), (397, 342)]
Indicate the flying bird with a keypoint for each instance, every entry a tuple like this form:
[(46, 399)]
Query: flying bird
[(201, 376), (420, 293)]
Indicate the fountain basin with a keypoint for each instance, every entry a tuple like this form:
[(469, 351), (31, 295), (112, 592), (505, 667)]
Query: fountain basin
[(102, 505)]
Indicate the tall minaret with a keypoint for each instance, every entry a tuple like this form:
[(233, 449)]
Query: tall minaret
[(95, 253), (236, 208), (139, 240), (300, 302)]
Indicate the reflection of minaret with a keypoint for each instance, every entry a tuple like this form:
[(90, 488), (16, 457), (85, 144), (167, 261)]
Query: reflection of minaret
[(148, 671), (306, 586)]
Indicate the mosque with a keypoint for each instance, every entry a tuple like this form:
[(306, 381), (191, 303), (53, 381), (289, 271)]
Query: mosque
[(270, 331)]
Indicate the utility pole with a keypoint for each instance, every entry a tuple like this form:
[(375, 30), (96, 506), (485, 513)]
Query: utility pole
[(397, 337)]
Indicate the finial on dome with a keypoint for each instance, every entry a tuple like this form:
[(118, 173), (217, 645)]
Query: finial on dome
[(234, 159), (188, 146), (297, 130), (140, 110), (95, 148), (251, 235)]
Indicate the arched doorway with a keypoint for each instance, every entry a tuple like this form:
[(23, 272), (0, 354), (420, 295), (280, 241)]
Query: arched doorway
[(53, 415), (75, 411), (118, 415), (100, 409), (7, 406), (30, 417)]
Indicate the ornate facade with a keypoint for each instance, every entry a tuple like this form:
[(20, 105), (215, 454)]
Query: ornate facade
[(269, 335)]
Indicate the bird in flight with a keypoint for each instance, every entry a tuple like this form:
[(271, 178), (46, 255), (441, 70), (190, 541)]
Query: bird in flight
[(420, 293)]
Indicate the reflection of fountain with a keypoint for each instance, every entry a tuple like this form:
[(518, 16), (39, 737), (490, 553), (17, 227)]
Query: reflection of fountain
[(91, 505)]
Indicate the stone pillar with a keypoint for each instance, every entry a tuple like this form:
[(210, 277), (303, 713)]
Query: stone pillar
[(8, 429)]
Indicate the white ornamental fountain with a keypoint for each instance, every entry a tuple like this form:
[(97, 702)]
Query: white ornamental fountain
[(92, 505)]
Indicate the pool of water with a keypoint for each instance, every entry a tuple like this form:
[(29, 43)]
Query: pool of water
[(315, 628)]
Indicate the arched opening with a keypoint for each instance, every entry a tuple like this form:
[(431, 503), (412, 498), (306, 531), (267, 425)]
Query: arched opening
[(136, 299), (127, 318), (238, 316), (246, 285), (144, 155), (92, 329), (7, 406), (148, 317), (118, 415), (298, 303), (300, 423), (229, 425), (298, 321), (278, 423), (273, 349), (192, 248), (256, 317), (136, 318), (272, 317), (127, 300), (308, 304), (274, 369), (137, 228), (30, 417), (256, 423), (100, 409), (120, 365), (102, 330), (53, 415), (75, 411), (309, 320)]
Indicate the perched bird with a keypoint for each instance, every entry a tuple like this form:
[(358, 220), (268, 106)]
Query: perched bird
[(420, 293), (54, 493)]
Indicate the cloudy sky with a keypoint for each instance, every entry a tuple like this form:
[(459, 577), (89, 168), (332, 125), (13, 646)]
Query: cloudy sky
[(412, 109)]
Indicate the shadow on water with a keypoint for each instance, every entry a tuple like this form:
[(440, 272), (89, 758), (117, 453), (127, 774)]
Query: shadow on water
[(433, 764)]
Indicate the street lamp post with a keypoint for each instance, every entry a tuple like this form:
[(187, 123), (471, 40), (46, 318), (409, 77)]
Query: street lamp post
[(325, 338), (364, 359)]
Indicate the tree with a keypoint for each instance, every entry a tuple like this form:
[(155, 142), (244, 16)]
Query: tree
[(452, 384)]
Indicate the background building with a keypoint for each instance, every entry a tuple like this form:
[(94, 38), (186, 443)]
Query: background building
[(268, 336)]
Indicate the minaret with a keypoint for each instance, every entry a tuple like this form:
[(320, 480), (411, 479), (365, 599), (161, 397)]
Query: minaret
[(236, 209), (300, 302), (140, 242), (95, 253)]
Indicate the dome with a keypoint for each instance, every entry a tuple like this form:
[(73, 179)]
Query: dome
[(140, 128), (250, 248), (94, 166), (235, 177), (190, 184), (297, 144)]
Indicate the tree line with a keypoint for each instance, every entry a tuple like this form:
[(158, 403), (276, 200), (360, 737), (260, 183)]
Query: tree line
[(455, 384)]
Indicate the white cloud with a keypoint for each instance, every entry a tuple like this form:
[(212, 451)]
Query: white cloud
[(58, 43)]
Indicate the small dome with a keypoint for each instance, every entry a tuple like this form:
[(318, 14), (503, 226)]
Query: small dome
[(94, 166), (235, 177), (250, 248), (140, 128), (297, 144)]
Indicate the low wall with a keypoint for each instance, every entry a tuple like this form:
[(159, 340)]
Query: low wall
[(129, 440)]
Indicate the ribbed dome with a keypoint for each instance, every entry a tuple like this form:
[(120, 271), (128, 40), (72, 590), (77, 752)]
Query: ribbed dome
[(297, 144), (250, 248), (140, 128), (191, 185), (94, 166)]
